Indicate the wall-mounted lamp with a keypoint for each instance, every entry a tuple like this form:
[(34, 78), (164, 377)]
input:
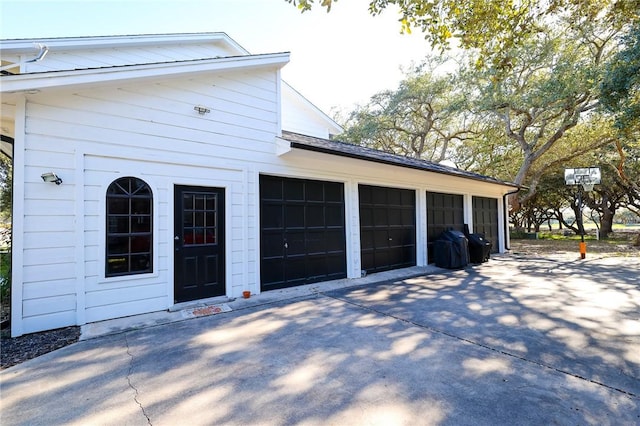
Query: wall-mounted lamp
[(51, 177), (202, 110)]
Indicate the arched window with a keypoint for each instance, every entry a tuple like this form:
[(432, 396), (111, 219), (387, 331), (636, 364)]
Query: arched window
[(129, 227)]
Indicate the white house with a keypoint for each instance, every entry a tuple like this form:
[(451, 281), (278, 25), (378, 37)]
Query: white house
[(152, 171)]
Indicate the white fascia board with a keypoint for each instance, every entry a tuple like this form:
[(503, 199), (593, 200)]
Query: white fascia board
[(55, 79), (282, 146), (72, 43)]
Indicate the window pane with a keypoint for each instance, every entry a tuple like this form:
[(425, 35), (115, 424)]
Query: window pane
[(211, 201), (141, 263), (187, 201), (118, 224), (141, 224), (140, 188), (117, 205), (117, 265), (118, 245), (141, 244), (129, 239), (199, 202), (140, 205), (210, 219), (199, 218)]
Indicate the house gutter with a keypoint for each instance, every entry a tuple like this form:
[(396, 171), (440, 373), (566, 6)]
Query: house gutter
[(506, 217), (43, 52)]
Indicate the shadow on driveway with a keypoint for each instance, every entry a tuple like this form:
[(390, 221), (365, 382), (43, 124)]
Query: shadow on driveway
[(513, 341)]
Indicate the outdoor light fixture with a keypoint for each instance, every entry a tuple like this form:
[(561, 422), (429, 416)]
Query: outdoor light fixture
[(202, 110), (51, 177)]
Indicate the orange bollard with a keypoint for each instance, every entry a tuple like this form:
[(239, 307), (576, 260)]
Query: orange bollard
[(583, 250)]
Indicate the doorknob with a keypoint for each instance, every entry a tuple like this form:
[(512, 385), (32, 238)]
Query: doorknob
[(286, 245), (176, 238)]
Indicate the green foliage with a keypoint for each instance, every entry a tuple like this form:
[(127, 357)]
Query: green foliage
[(5, 277), (422, 118), (6, 187), (620, 89)]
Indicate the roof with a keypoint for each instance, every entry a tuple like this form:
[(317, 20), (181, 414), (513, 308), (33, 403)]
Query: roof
[(26, 46), (344, 149)]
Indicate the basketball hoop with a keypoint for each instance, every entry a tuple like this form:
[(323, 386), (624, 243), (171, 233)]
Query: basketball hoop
[(582, 175), (588, 187)]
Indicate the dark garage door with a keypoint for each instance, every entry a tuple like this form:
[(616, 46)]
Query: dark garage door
[(485, 219), (302, 232), (444, 211), (387, 228)]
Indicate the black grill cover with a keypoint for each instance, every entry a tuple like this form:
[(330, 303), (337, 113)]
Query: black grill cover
[(451, 250), (479, 246)]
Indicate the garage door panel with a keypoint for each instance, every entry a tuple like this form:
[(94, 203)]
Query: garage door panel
[(308, 244), (485, 219), (295, 243), (444, 211), (366, 240), (381, 238), (314, 216), (387, 228), (381, 257), (272, 270), (334, 215), (272, 245), (293, 190), (400, 237), (366, 216), (380, 217), (334, 240), (334, 194), (272, 216), (294, 216), (271, 189), (314, 191)]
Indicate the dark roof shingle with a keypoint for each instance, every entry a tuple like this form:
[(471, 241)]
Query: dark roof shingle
[(344, 149)]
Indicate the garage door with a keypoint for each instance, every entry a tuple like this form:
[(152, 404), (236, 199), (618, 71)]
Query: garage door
[(302, 232), (444, 211), (485, 219), (387, 228)]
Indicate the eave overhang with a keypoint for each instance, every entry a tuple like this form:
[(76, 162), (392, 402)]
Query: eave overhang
[(59, 79)]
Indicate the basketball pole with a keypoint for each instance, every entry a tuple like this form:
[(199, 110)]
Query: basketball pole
[(582, 245)]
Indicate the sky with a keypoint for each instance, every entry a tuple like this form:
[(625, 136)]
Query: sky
[(338, 59)]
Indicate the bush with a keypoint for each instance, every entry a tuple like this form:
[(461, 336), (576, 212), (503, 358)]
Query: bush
[(5, 277)]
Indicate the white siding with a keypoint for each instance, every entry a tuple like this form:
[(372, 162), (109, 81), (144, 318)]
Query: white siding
[(301, 116), (151, 132)]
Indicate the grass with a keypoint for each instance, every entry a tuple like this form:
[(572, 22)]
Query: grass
[(620, 243)]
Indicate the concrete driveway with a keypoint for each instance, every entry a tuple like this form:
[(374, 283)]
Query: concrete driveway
[(512, 341)]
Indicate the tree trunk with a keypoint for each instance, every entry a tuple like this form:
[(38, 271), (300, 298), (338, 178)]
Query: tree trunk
[(606, 222)]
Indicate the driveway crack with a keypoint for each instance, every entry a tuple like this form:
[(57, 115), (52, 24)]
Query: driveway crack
[(135, 390)]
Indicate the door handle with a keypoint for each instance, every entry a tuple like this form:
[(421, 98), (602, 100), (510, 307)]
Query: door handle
[(286, 245)]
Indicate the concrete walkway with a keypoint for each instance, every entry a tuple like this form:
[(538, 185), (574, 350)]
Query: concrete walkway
[(512, 341)]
